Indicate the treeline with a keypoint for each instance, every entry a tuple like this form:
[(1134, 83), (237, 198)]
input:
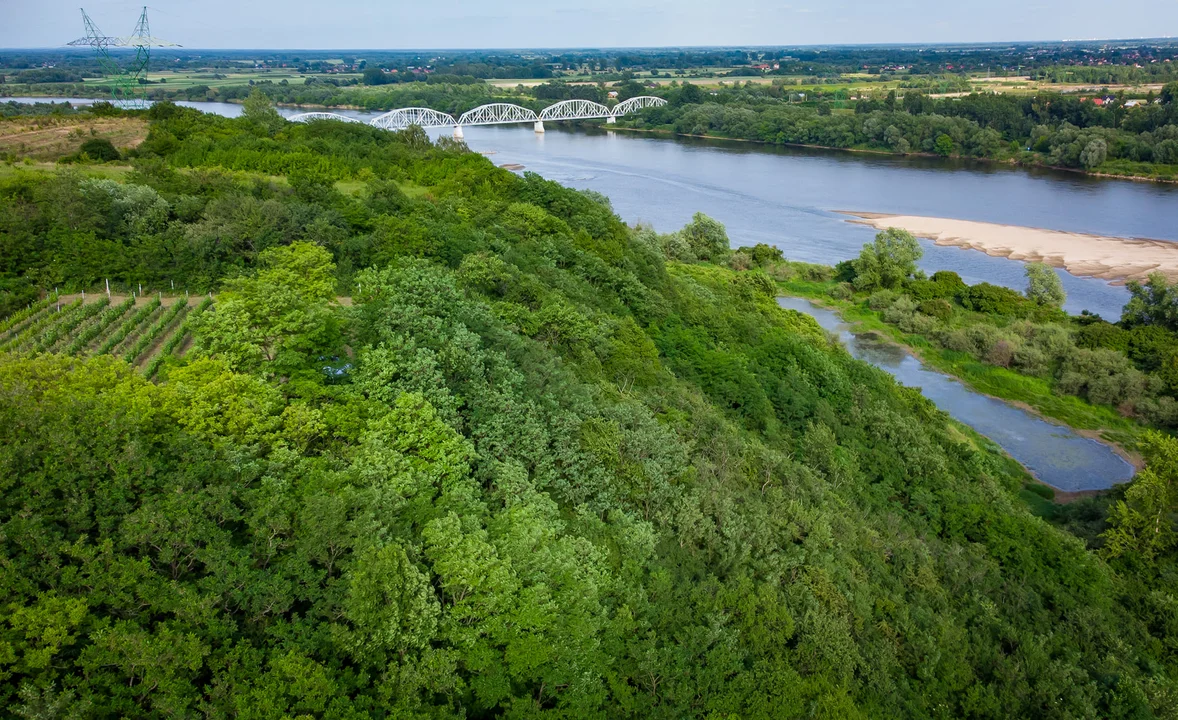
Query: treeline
[(1049, 129), (1130, 74), (536, 468)]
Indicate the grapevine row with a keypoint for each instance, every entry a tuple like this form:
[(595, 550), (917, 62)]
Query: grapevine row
[(34, 329), (176, 338), (19, 317), (149, 336), (54, 334), (92, 332), (125, 329)]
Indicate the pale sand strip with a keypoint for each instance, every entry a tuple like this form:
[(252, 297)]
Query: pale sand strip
[(1111, 258)]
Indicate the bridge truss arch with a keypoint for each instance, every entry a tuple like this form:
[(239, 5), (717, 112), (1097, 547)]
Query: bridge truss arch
[(402, 118), (637, 103), (574, 110), (313, 116), (497, 114)]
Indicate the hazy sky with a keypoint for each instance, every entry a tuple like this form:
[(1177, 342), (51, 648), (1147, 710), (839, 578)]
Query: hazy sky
[(583, 23)]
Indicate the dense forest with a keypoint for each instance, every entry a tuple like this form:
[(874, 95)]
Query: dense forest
[(454, 442)]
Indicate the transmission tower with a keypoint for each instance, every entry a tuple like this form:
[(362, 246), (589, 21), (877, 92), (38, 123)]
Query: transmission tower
[(126, 89)]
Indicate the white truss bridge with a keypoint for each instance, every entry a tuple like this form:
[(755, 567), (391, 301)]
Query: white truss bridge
[(495, 114)]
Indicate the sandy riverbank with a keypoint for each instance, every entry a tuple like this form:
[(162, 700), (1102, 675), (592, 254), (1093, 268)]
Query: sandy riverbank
[(1111, 258)]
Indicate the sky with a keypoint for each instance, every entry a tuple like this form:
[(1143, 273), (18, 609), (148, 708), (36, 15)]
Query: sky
[(396, 24)]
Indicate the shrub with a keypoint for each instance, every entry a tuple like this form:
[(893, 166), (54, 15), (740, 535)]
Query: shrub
[(941, 285), (1044, 286), (1162, 411), (1095, 336), (948, 277), (939, 308), (1102, 376), (900, 309), (842, 291), (814, 273), (707, 238), (887, 262), (740, 260), (99, 149), (881, 299), (993, 300), (1149, 345), (1000, 354), (763, 254), (1031, 360), (1053, 340), (917, 323)]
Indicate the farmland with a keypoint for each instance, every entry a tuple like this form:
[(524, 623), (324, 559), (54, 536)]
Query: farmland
[(143, 330)]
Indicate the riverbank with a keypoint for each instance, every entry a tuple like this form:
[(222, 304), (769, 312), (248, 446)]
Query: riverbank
[(662, 132), (1109, 258)]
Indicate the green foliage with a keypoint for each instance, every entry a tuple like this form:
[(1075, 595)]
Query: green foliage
[(888, 261), (1145, 522), (939, 308), (707, 238), (279, 318), (532, 468), (1154, 302), (994, 300), (1044, 286), (141, 315), (942, 285), (99, 149), (1102, 335)]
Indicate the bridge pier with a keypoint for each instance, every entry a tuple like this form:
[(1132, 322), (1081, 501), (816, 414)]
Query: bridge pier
[(610, 120), (539, 126), (458, 132)]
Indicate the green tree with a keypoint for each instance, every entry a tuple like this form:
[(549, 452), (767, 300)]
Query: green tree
[(1044, 286), (1169, 94), (1144, 522), (1153, 303), (260, 110), (887, 261), (279, 319), (707, 238), (1094, 153), (943, 145)]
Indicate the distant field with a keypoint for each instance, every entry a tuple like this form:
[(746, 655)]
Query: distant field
[(223, 78)]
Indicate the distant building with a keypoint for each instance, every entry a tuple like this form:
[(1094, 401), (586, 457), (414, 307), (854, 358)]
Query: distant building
[(613, 93)]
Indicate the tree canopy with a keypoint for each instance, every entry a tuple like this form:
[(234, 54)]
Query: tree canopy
[(456, 442)]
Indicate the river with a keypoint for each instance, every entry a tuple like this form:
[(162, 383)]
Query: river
[(787, 197), (1056, 455)]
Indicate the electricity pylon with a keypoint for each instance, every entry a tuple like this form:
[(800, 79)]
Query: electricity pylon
[(127, 89)]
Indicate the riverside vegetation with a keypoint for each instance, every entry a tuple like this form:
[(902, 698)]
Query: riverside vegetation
[(1119, 137), (540, 464), (1019, 346)]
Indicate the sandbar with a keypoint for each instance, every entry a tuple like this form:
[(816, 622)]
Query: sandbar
[(1112, 258)]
